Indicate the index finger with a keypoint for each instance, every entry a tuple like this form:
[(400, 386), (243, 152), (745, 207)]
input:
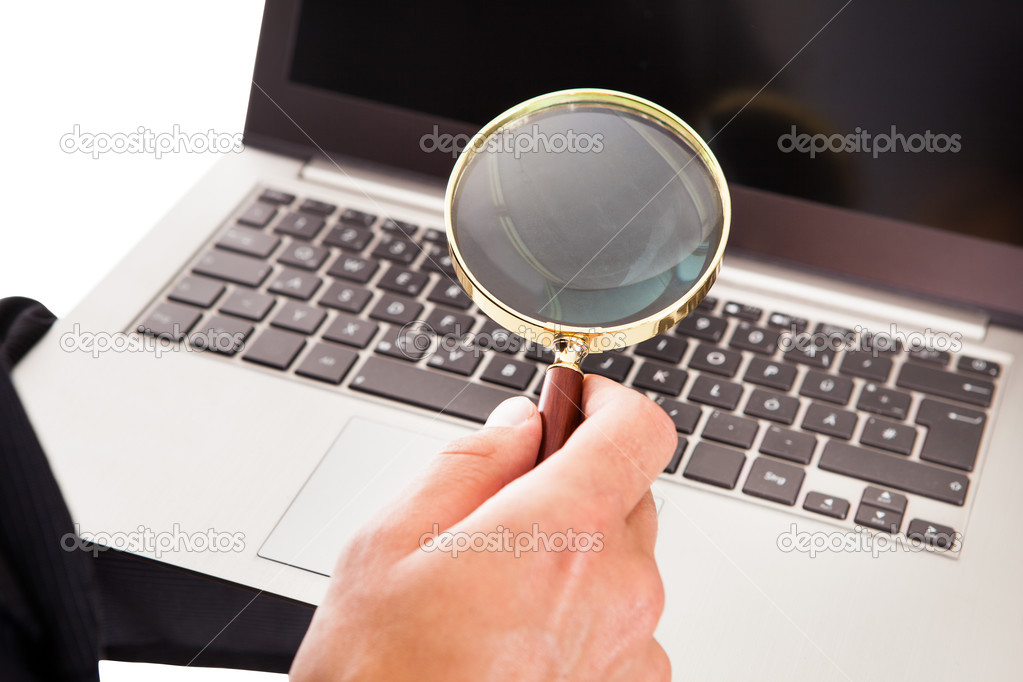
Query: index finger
[(619, 449)]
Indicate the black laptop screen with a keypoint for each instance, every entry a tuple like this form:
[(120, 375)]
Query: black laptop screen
[(909, 110)]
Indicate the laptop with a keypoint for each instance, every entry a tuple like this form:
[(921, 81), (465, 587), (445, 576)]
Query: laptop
[(847, 399)]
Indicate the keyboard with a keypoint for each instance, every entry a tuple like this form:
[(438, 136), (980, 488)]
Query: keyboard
[(769, 406)]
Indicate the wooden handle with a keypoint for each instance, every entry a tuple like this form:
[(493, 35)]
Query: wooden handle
[(560, 412)]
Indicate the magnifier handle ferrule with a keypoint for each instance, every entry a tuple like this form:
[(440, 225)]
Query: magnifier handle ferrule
[(561, 396)]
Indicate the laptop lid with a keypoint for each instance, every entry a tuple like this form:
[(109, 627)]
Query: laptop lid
[(869, 141)]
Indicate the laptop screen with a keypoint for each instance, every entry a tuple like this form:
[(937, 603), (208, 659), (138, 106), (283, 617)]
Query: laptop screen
[(906, 113), (900, 109)]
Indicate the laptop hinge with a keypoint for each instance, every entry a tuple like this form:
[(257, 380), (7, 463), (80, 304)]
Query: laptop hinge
[(376, 182)]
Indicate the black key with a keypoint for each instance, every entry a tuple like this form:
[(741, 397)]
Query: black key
[(773, 406), (350, 331), (884, 401), (742, 311), (896, 472), (787, 323), (300, 225), (431, 390), (248, 241), (396, 248), (535, 351), (771, 374), (832, 332), (353, 268), (197, 291), (449, 293), (879, 344), (458, 358), (258, 215), (612, 365), (756, 339), (716, 392), (275, 348), (933, 534), (869, 516), (661, 378), (402, 281), (828, 387), (348, 237), (252, 305), (220, 334), (233, 268), (275, 196), (304, 256), (953, 433), (700, 326), (295, 283), (773, 480), (729, 429), (399, 227), (354, 217), (449, 323), (347, 297), (829, 421), (664, 348), (684, 415), (977, 366), (169, 321), (298, 318), (828, 505), (317, 207), (887, 435), (493, 336), (507, 372), (396, 309), (715, 465), (432, 234), (791, 445), (884, 499), (438, 259), (676, 458), (715, 360), (866, 364), (934, 357), (410, 343), (940, 383), (327, 362), (708, 304), (808, 349)]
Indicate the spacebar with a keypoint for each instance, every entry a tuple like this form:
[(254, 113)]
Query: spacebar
[(895, 472), (408, 384)]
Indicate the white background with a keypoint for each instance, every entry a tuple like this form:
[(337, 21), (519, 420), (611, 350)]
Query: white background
[(109, 67)]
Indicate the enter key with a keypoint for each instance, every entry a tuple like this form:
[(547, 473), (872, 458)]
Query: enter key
[(953, 436)]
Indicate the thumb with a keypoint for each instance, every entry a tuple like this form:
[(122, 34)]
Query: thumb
[(465, 474)]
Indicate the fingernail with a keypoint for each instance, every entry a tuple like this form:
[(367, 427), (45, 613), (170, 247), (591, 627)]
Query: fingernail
[(511, 412)]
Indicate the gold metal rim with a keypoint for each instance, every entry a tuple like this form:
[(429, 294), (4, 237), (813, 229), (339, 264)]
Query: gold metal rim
[(606, 338)]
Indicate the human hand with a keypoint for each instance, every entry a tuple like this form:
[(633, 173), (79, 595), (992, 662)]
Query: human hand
[(397, 609)]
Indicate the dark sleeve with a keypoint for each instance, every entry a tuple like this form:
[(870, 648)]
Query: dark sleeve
[(48, 628)]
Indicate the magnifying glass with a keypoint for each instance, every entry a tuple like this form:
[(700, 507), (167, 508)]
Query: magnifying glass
[(585, 221)]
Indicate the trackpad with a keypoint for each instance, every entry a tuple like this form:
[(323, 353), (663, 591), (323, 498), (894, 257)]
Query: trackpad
[(363, 471)]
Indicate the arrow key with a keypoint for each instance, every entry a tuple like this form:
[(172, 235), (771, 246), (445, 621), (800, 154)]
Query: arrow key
[(878, 519), (884, 499), (828, 505), (932, 533)]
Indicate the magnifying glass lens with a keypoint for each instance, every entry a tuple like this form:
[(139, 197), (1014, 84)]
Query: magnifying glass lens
[(588, 215)]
